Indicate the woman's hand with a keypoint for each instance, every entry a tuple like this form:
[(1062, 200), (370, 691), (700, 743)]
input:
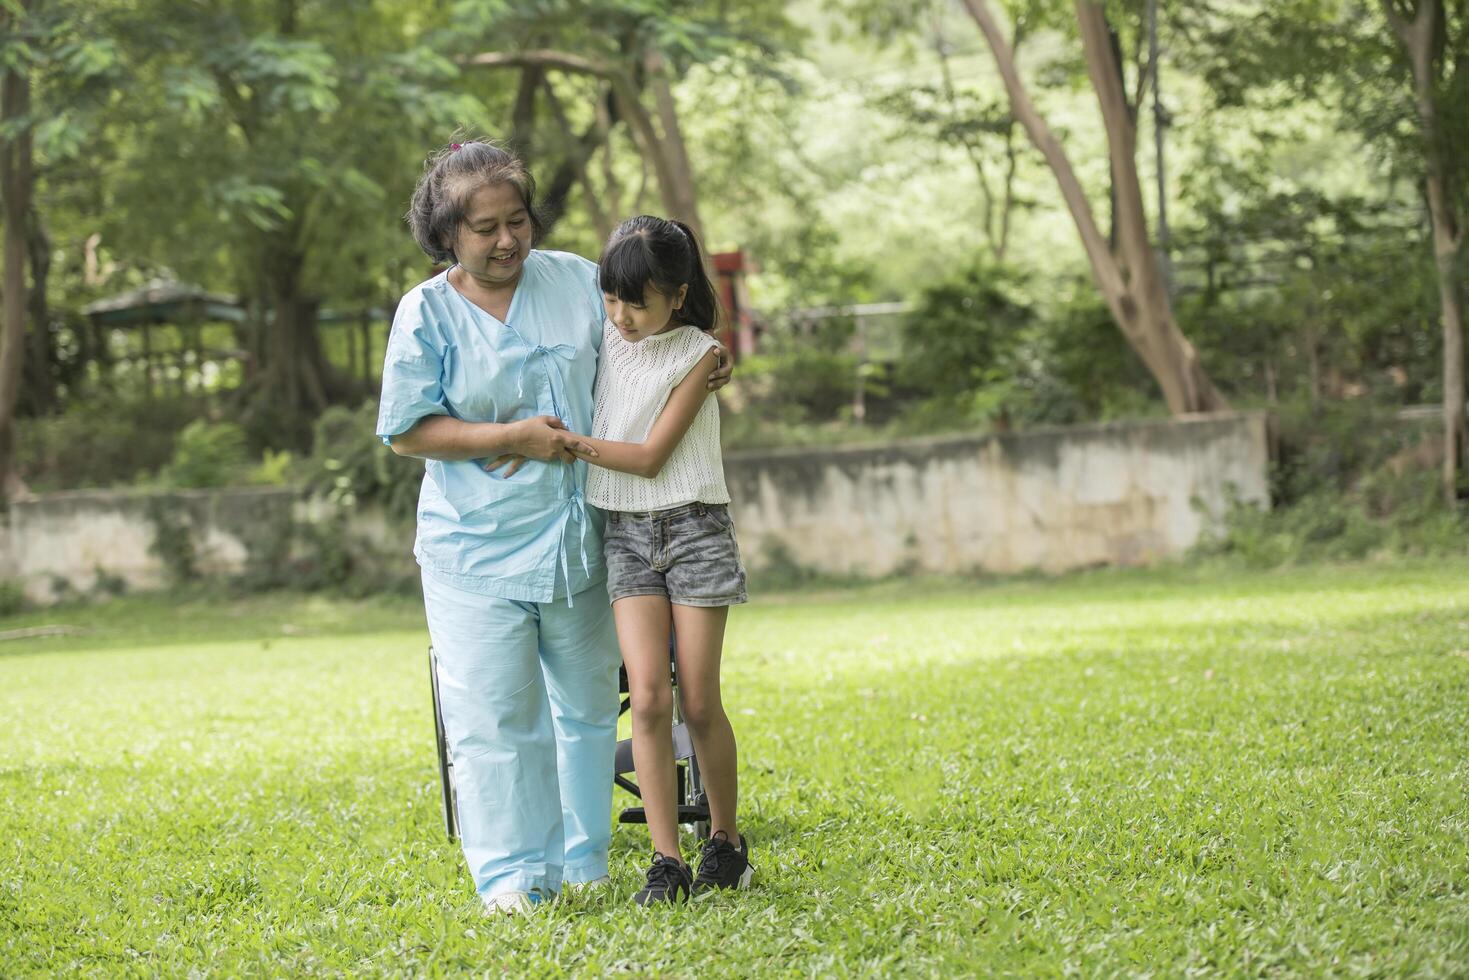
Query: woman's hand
[(546, 439), (719, 377), (515, 460)]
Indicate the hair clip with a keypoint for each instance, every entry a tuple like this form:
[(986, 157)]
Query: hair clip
[(456, 146)]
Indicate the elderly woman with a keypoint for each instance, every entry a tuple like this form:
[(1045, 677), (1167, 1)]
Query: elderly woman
[(496, 358)]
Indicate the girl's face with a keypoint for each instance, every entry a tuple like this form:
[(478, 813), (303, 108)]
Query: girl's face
[(654, 316), (494, 239)]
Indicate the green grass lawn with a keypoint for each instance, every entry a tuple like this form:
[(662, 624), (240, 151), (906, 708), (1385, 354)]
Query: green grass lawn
[(1170, 772)]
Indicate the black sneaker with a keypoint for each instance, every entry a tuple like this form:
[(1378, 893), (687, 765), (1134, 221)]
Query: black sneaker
[(722, 865), (666, 879)]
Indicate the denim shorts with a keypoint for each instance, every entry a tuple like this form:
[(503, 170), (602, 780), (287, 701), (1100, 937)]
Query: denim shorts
[(686, 553)]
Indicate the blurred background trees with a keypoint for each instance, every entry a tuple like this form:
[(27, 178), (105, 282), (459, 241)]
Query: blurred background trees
[(952, 214)]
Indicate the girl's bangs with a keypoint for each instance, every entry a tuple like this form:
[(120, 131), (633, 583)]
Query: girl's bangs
[(626, 268)]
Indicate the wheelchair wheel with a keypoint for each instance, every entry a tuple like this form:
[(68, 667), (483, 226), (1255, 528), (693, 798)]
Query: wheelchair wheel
[(446, 763), (695, 797)]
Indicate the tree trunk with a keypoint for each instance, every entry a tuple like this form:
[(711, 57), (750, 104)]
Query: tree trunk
[(664, 151), (972, 149), (1312, 346), (680, 171), (580, 150), (1418, 39), (1114, 44), (572, 171), (611, 187), (15, 186), (523, 115), (41, 361), (295, 382), (1129, 280), (1007, 201)]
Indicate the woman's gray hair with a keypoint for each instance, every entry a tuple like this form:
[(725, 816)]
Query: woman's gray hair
[(449, 178)]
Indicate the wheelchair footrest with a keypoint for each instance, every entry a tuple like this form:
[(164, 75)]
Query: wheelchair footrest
[(686, 814)]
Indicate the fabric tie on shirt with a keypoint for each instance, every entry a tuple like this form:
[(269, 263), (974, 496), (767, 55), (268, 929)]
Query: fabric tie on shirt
[(553, 373), (577, 503)]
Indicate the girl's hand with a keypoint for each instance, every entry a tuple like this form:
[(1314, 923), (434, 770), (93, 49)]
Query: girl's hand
[(546, 439), (719, 377), (515, 460)]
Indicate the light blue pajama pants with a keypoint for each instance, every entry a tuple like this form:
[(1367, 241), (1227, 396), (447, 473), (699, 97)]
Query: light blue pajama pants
[(529, 696)]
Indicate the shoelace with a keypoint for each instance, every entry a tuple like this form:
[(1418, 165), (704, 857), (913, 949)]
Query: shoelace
[(665, 870), (714, 848)]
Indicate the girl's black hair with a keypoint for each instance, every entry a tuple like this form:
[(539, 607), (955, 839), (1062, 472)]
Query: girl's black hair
[(665, 253), (450, 176)]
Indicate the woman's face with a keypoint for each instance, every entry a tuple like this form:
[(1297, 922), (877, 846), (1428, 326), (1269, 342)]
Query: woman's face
[(494, 239), (653, 316)]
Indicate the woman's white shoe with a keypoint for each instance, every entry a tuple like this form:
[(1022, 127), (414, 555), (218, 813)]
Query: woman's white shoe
[(509, 903)]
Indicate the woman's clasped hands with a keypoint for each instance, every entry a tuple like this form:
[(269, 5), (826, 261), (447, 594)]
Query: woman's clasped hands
[(544, 437)]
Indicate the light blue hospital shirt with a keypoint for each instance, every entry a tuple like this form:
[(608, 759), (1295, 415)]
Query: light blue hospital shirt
[(531, 536)]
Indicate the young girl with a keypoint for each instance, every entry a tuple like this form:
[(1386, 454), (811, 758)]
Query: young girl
[(670, 545)]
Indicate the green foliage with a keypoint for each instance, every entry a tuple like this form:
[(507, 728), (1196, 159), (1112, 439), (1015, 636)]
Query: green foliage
[(967, 331), (977, 352), (1198, 780), (797, 384), (275, 469), (100, 441), (108, 440), (173, 540), (1327, 526), (1099, 375), (349, 464), (1353, 481), (306, 557), (108, 585), (206, 454), (1286, 292), (1336, 447), (12, 598), (299, 123)]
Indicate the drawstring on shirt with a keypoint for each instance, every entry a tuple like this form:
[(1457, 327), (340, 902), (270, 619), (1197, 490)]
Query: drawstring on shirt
[(557, 382), (576, 506), (576, 503)]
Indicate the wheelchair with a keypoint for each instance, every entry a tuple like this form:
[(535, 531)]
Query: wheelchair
[(693, 805)]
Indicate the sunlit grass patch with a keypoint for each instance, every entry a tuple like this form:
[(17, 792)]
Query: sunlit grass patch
[(1117, 773)]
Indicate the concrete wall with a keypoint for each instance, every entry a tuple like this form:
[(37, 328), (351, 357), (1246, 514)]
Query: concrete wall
[(1121, 493), (65, 541)]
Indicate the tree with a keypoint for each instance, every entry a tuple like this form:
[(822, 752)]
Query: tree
[(1128, 274), (1399, 71), (638, 54), (16, 141), (1438, 55), (281, 139), (972, 121)]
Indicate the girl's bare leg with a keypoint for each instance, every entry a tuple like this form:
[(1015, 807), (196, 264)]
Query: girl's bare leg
[(642, 632), (700, 635)]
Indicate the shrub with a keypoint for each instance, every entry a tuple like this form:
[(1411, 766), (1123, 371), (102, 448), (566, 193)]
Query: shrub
[(795, 384), (206, 454), (350, 465), (102, 440), (274, 470), (1351, 482), (965, 334), (12, 598)]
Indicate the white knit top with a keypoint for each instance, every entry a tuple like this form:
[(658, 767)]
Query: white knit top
[(634, 381)]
